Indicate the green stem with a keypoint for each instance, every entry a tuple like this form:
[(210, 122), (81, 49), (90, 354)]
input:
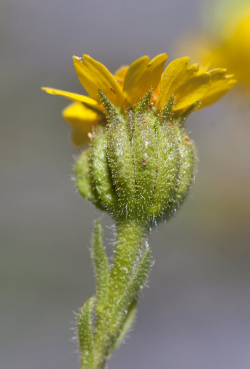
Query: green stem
[(130, 237), (129, 242)]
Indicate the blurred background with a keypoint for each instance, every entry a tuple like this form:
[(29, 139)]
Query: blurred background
[(196, 312)]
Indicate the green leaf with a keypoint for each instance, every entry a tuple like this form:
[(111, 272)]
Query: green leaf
[(85, 338), (127, 325), (137, 281), (101, 266)]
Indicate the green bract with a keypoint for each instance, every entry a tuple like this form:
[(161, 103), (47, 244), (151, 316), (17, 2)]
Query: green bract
[(140, 166)]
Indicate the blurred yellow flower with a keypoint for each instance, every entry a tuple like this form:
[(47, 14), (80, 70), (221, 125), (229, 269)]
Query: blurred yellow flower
[(125, 89), (234, 52), (225, 39)]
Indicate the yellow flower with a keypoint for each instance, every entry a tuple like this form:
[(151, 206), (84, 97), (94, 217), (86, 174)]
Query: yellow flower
[(234, 52), (125, 89), (225, 40)]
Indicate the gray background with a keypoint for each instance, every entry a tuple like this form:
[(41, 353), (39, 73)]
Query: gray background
[(196, 312)]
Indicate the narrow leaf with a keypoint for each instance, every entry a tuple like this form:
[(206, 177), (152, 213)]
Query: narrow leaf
[(138, 280), (101, 266), (84, 330), (127, 325)]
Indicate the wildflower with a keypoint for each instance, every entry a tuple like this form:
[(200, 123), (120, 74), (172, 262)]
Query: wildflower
[(130, 84), (234, 52), (225, 40), (138, 168)]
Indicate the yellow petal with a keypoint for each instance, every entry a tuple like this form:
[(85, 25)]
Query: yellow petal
[(184, 82), (121, 72), (80, 117), (156, 93), (94, 76), (217, 74), (71, 96), (120, 75), (143, 76), (172, 77), (134, 73), (192, 91), (220, 85)]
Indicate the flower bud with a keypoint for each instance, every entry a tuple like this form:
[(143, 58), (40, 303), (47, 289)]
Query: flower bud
[(140, 165)]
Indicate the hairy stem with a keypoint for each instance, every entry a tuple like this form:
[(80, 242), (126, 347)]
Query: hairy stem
[(130, 237), (129, 242)]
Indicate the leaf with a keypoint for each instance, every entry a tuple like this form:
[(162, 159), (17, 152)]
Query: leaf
[(101, 266), (127, 325), (85, 337)]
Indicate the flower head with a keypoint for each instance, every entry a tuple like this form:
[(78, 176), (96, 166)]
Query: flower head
[(141, 161), (188, 84)]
